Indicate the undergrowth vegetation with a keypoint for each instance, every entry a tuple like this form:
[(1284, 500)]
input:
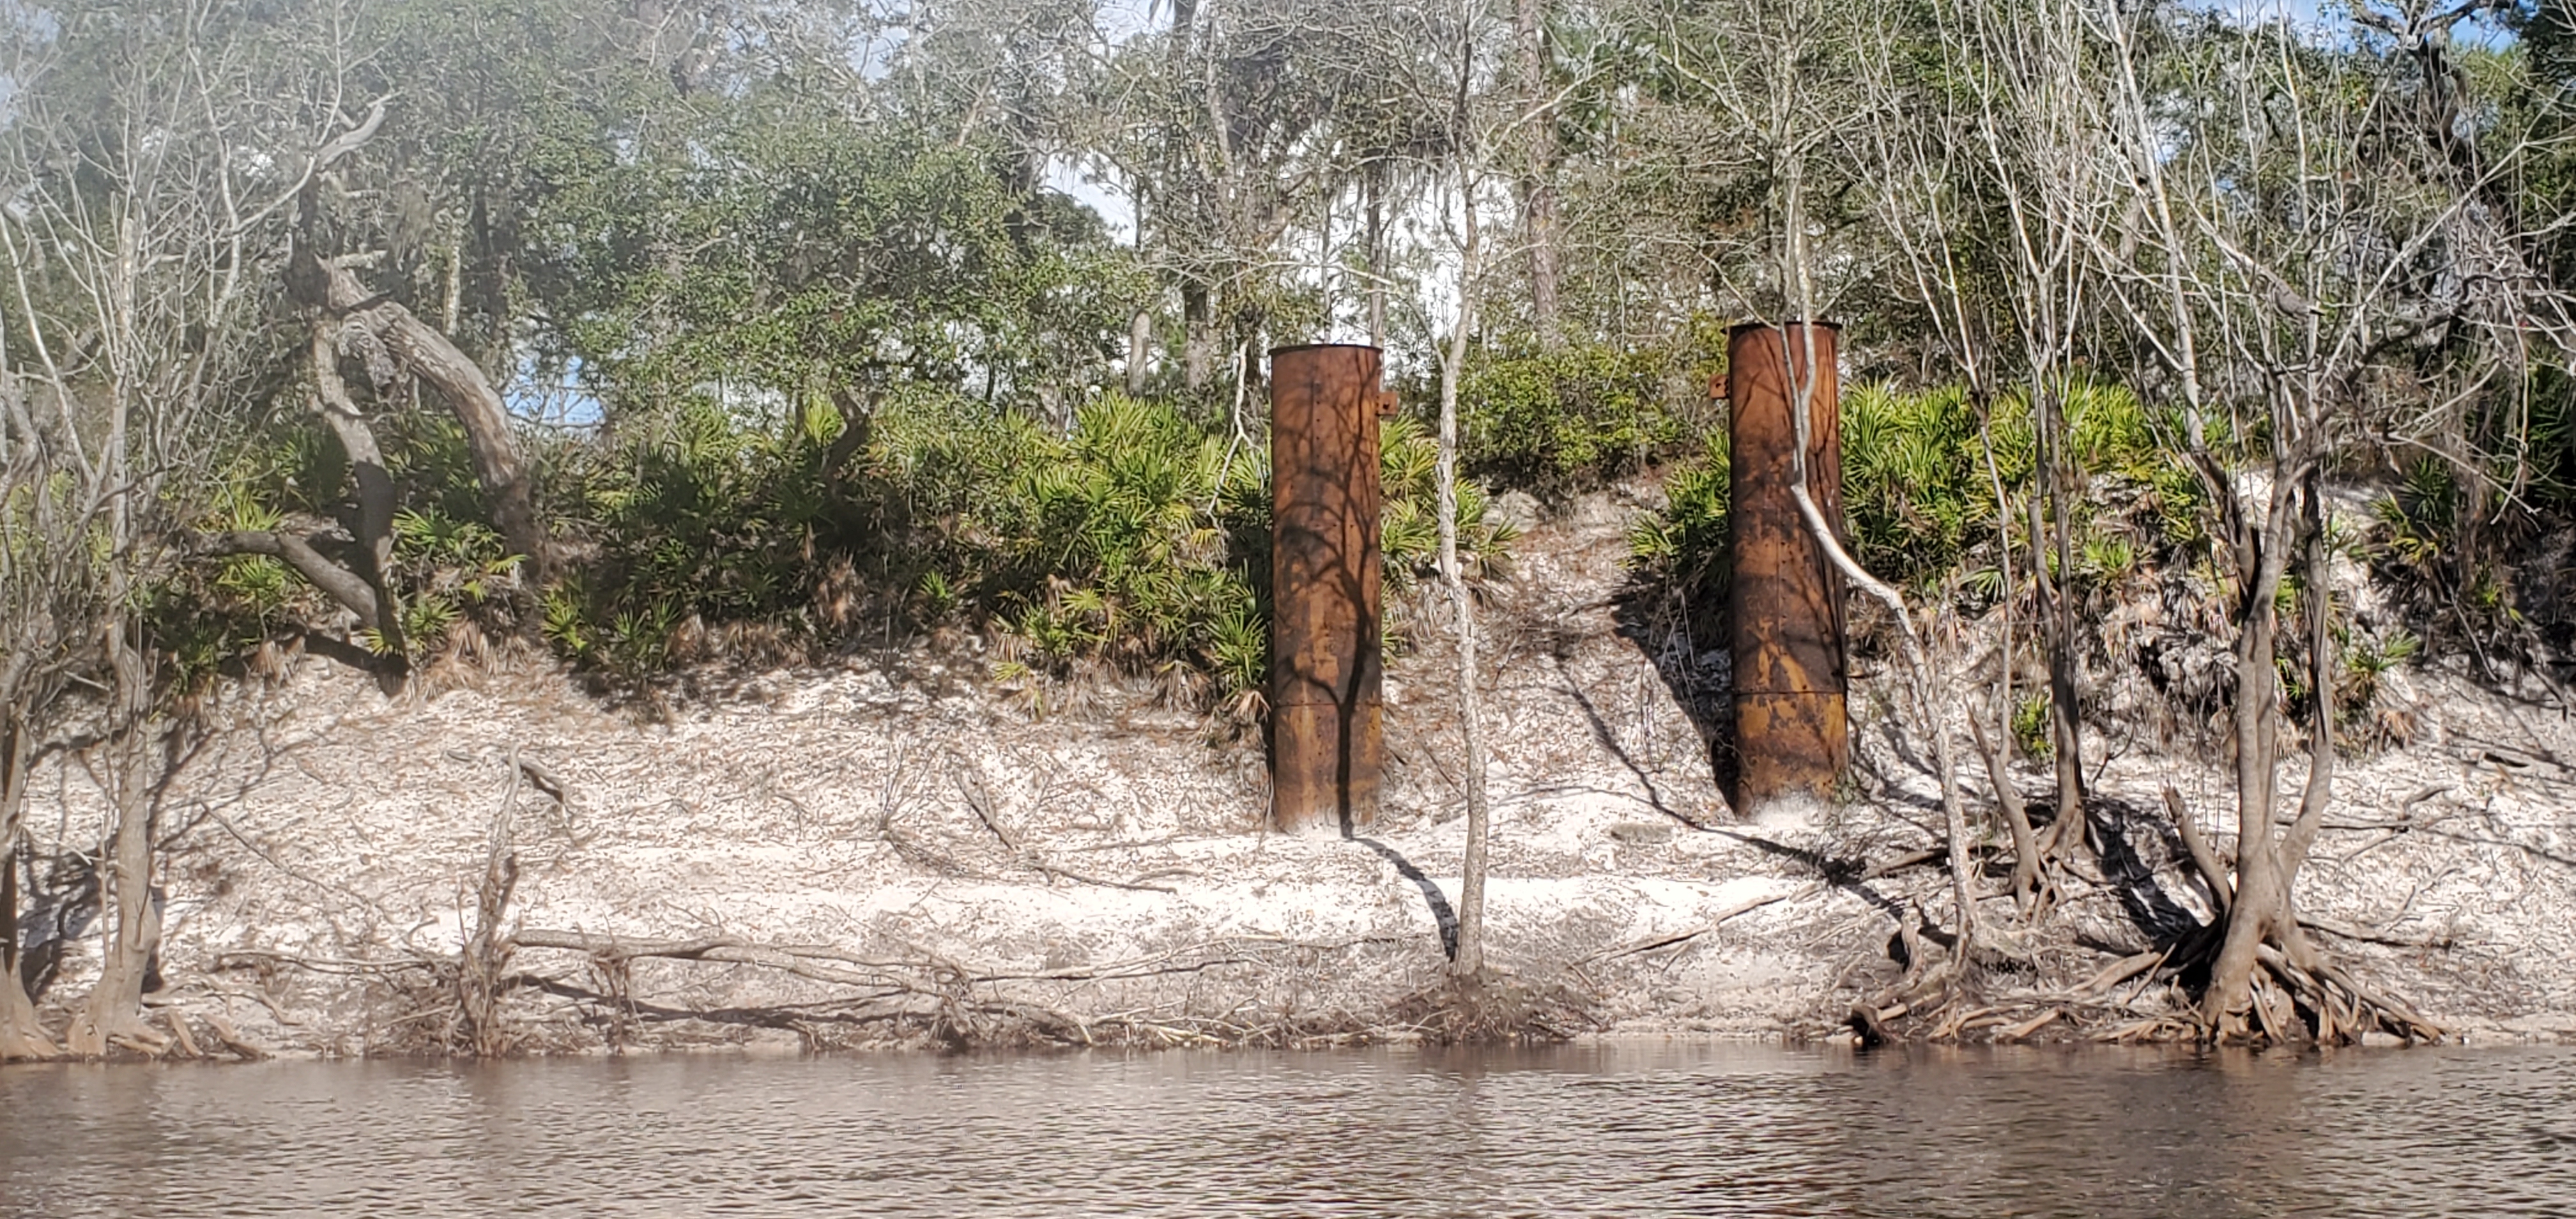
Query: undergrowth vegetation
[(1133, 544), (1937, 498), (1562, 419), (459, 589), (2478, 552), (1921, 473)]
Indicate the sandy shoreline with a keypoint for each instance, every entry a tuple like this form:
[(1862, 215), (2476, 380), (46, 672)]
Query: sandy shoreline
[(904, 822)]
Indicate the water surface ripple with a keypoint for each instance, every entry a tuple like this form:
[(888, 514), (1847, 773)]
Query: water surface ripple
[(1625, 1130)]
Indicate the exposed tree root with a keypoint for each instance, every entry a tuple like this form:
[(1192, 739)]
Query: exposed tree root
[(2151, 996), (1491, 1007), (928, 999), (2295, 993)]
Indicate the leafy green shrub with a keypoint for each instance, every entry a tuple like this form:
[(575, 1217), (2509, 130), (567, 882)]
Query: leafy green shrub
[(1685, 545), (202, 615), (2415, 520), (2474, 550), (2424, 546), (1409, 516), (698, 514), (2126, 452), (449, 569), (2031, 728), (1919, 494), (1915, 488), (2367, 661), (768, 530), (1136, 543), (1584, 412)]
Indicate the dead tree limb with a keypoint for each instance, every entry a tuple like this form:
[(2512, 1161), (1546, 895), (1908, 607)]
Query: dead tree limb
[(425, 353), (621, 948), (1651, 943), (242, 1047), (373, 522), (1035, 864), (481, 967), (296, 551), (2212, 872)]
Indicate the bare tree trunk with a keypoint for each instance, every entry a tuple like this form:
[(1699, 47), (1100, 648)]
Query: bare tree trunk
[(1921, 184), (2261, 900), (374, 524), (452, 301), (132, 925), (2264, 906), (1929, 686), (2303, 332), (1470, 960), (1538, 185), (2322, 663), (1140, 343), (20, 1034), (2050, 577), (2028, 884), (2066, 710), (1375, 186), (1198, 344), (483, 959), (2030, 877)]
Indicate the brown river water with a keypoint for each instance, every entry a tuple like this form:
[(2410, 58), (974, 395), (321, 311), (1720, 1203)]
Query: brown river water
[(1619, 1129)]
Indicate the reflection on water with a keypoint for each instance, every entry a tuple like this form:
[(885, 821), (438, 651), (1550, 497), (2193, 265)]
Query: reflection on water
[(1597, 1130)]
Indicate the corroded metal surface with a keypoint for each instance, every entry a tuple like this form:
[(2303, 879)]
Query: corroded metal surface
[(1785, 602), (1325, 748)]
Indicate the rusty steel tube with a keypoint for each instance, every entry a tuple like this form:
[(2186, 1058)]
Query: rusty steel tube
[(1785, 602), (1325, 748)]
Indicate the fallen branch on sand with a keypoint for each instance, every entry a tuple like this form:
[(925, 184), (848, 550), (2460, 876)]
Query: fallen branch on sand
[(1652, 943), (955, 1004)]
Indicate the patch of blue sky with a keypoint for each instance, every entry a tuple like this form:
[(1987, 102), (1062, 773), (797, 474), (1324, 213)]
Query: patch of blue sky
[(552, 397), (2332, 22)]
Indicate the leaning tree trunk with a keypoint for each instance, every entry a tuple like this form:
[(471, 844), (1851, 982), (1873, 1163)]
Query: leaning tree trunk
[(425, 353), (2030, 885), (1930, 687), (373, 524), (364, 585)]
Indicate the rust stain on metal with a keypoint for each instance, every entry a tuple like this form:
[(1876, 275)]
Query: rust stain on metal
[(1785, 603), (1325, 747)]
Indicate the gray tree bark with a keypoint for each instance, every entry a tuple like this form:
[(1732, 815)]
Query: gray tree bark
[(1140, 342), (21, 1036), (1538, 184), (429, 355), (113, 1015), (1469, 963)]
